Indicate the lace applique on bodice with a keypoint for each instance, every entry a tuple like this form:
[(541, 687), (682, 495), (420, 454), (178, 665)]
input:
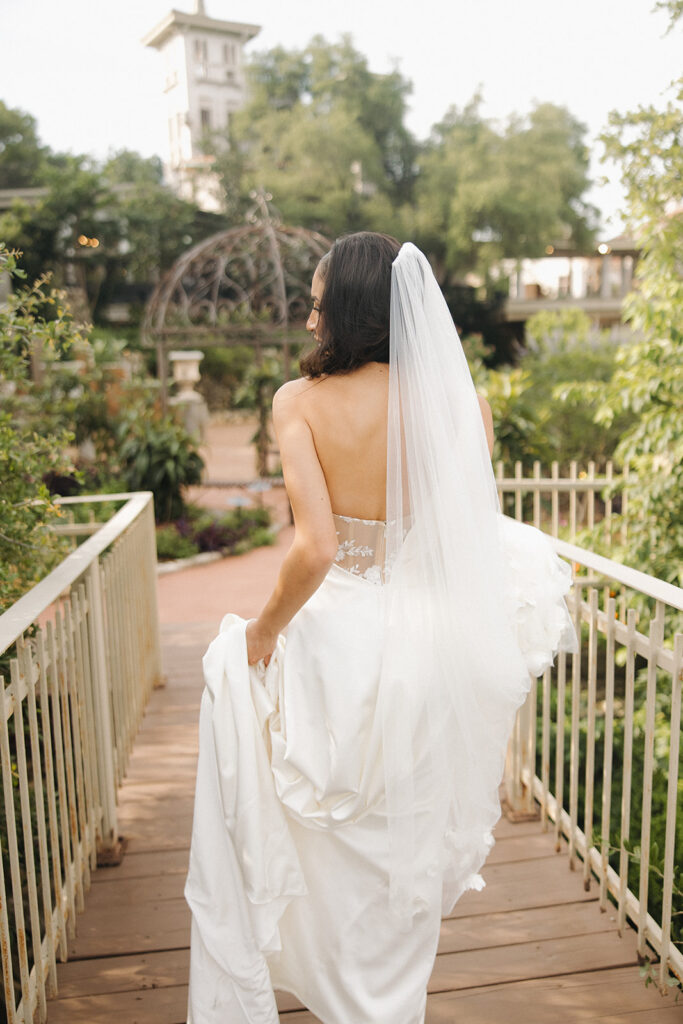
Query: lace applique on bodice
[(362, 547)]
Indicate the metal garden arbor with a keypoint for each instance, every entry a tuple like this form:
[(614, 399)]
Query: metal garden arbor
[(247, 285)]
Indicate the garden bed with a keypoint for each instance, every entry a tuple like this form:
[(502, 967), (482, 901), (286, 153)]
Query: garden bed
[(204, 531)]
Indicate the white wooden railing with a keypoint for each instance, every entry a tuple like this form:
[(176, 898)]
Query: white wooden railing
[(84, 648), (562, 504), (603, 601), (83, 654)]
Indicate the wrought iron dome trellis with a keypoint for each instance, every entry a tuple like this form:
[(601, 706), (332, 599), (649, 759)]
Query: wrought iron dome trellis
[(249, 284)]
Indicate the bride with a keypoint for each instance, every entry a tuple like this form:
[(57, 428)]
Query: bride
[(352, 737)]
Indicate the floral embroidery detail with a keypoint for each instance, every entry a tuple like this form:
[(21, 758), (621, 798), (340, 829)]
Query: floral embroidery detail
[(367, 558), (348, 549), (373, 574)]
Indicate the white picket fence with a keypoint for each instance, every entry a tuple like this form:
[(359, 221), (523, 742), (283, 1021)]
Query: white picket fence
[(580, 499), (83, 651)]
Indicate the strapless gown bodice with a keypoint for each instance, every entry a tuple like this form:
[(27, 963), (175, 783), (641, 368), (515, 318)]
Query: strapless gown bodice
[(361, 549)]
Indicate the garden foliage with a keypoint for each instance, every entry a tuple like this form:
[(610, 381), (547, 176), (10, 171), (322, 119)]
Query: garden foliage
[(203, 530), (533, 418), (647, 383), (76, 415), (32, 446)]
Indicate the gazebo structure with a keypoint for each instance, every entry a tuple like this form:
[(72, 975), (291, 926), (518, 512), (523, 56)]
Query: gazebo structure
[(247, 285)]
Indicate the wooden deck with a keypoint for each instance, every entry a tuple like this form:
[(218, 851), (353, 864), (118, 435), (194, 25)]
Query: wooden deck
[(532, 947)]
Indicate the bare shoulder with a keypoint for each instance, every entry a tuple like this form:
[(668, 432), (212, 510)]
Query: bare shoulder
[(290, 389), (287, 400)]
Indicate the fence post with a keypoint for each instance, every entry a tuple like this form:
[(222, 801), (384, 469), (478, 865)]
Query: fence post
[(158, 678), (102, 710), (520, 765)]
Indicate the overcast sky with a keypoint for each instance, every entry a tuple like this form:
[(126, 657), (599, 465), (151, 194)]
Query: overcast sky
[(78, 65)]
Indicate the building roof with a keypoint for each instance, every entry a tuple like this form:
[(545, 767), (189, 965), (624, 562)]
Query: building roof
[(176, 21), (623, 243)]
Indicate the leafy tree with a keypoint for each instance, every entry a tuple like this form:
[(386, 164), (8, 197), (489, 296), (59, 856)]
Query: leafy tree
[(126, 167), (22, 158), (648, 381), (674, 9), (325, 136), (278, 79), (515, 422), (77, 203), (154, 225), (564, 353), (484, 193), (339, 75), (95, 226), (565, 347)]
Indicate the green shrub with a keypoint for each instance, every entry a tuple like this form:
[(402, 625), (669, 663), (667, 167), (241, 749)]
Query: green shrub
[(545, 408), (231, 532), (565, 348), (171, 545), (261, 537), (227, 531), (158, 455), (260, 384), (223, 372), (32, 448)]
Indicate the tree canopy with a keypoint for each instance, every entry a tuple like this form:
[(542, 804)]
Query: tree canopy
[(485, 191), (113, 221), (648, 382), (327, 137), (649, 144), (22, 157)]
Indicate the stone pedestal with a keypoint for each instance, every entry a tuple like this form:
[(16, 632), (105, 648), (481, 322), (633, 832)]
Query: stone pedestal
[(191, 406)]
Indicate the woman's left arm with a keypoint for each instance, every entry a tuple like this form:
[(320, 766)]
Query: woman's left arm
[(487, 417), (315, 540)]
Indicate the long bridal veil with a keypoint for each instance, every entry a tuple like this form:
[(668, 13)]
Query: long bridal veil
[(453, 673)]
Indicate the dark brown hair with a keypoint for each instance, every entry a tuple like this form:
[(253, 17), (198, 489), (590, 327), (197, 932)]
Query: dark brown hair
[(354, 307)]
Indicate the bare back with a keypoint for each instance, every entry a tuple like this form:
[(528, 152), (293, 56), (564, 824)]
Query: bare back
[(347, 416)]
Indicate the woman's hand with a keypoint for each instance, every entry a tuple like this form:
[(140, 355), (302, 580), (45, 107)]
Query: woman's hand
[(260, 642)]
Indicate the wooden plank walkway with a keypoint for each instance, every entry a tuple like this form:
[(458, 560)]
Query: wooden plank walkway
[(532, 947)]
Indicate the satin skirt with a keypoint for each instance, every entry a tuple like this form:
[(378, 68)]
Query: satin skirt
[(288, 877), (289, 865)]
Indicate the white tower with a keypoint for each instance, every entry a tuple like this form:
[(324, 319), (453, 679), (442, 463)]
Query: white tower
[(204, 83)]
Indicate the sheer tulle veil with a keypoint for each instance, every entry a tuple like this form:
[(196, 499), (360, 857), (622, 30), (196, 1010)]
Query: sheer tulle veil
[(453, 674)]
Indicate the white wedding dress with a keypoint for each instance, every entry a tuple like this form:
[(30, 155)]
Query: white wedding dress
[(290, 863)]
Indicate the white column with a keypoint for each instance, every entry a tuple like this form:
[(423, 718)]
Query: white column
[(605, 279)]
